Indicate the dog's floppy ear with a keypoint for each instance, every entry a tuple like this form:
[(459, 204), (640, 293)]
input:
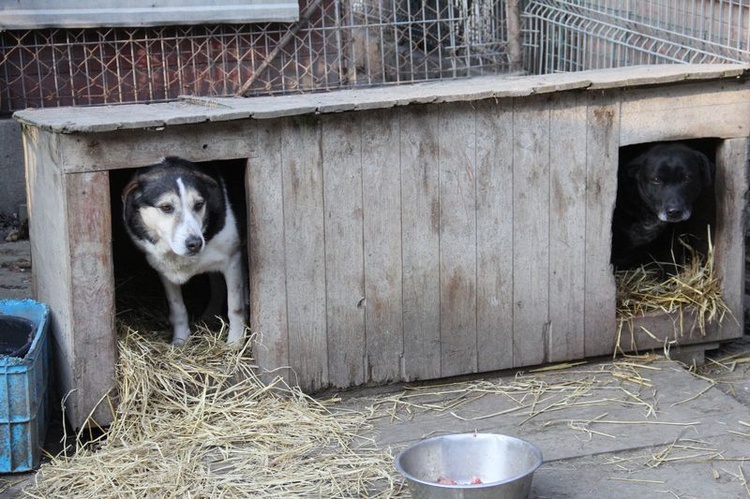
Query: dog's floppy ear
[(707, 168), (634, 165), (128, 194), (128, 190), (208, 179)]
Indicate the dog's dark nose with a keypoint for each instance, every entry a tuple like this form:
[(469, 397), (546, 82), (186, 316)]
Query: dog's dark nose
[(678, 215), (674, 214), (193, 244)]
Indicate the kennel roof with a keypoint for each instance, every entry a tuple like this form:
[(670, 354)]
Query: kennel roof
[(190, 110)]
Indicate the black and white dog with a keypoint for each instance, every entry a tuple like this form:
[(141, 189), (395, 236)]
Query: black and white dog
[(656, 191), (178, 213)]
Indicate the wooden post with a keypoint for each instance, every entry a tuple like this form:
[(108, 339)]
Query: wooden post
[(70, 233), (515, 42)]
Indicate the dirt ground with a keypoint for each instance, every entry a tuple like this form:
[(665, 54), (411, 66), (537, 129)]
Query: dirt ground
[(15, 269)]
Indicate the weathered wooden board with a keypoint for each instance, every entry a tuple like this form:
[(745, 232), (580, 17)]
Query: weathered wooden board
[(567, 240), (531, 218), (304, 246), (73, 275), (341, 140), (381, 223), (731, 184), (683, 111), (458, 289), (494, 133), (265, 235), (197, 110), (602, 147), (420, 235), (89, 229)]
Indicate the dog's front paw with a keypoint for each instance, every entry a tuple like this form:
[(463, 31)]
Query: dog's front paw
[(236, 337), (178, 342), (180, 337)]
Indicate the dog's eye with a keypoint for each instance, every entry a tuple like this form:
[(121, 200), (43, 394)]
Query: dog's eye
[(166, 208), (656, 180), (198, 205)]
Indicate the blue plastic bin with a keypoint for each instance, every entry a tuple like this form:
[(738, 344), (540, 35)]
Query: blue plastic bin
[(24, 382)]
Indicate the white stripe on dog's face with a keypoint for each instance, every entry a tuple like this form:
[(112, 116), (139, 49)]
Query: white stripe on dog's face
[(188, 236), (177, 218)]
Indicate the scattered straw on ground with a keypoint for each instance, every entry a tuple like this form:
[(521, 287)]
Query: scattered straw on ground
[(599, 401), (196, 422), (550, 392)]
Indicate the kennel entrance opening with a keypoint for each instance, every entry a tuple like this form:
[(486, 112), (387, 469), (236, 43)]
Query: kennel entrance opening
[(677, 242), (140, 299)]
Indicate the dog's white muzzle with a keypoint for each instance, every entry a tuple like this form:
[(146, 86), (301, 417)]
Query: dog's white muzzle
[(187, 239), (674, 216)]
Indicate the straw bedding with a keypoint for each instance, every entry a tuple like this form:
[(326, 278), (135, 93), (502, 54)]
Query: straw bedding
[(694, 289), (197, 422)]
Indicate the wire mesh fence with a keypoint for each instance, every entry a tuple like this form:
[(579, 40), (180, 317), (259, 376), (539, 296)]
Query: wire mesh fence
[(574, 35), (355, 43), (335, 44)]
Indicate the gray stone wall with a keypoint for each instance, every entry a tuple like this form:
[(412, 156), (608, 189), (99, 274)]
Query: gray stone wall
[(12, 183)]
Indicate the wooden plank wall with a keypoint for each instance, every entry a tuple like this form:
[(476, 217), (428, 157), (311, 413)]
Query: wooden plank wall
[(410, 242), (430, 241)]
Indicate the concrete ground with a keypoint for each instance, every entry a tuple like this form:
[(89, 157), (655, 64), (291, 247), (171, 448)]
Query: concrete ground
[(628, 428)]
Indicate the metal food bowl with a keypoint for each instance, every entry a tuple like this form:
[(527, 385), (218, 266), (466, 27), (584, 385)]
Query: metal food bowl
[(470, 466)]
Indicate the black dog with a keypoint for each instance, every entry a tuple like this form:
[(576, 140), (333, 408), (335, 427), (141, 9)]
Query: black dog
[(656, 191)]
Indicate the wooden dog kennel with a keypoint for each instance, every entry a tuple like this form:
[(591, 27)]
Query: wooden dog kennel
[(399, 233)]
